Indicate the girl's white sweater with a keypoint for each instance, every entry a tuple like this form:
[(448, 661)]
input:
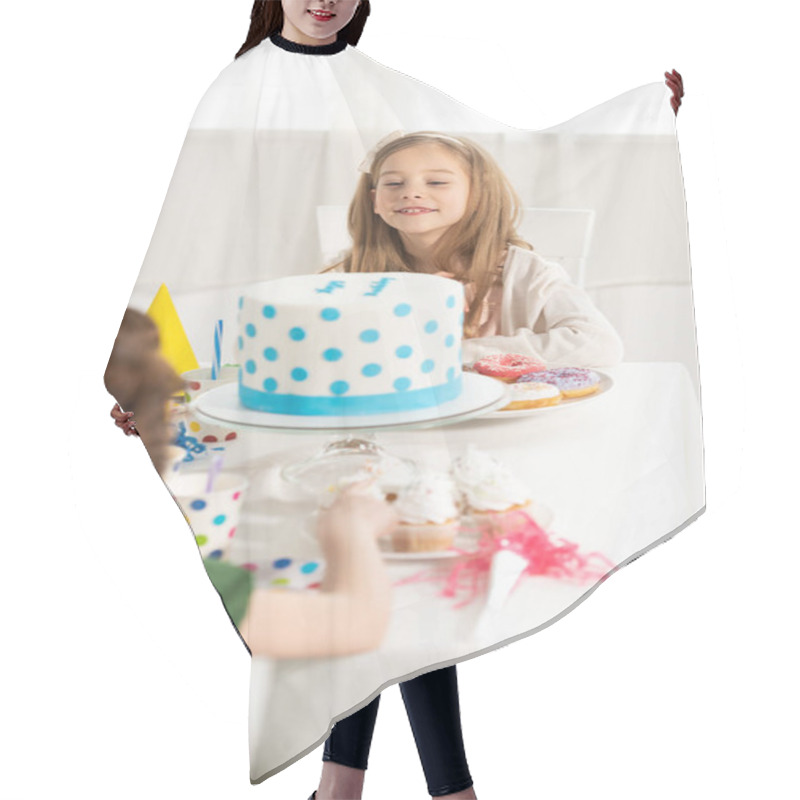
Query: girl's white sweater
[(545, 315)]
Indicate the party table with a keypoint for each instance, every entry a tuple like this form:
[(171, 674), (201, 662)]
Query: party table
[(616, 474)]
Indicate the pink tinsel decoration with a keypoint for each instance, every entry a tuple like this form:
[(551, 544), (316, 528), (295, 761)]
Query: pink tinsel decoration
[(515, 531)]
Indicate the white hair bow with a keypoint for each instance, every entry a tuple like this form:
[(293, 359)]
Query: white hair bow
[(366, 164)]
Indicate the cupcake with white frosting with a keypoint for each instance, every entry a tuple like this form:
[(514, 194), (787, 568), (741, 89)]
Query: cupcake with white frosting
[(489, 489), (428, 514)]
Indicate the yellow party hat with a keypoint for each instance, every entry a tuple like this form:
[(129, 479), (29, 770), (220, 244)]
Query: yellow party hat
[(175, 347)]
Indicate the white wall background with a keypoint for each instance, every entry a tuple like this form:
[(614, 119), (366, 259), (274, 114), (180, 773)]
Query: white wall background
[(120, 675)]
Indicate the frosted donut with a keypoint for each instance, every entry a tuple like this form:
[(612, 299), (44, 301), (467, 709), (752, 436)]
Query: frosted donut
[(507, 366), (532, 395), (571, 381)]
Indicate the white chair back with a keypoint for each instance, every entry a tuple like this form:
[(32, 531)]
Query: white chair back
[(562, 235)]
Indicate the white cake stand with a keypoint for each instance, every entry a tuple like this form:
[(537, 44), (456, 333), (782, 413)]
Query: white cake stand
[(480, 395), (358, 453), (350, 458)]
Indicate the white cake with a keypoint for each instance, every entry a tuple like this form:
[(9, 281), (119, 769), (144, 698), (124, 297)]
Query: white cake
[(351, 343)]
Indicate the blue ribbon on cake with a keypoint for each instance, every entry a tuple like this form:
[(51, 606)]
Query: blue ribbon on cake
[(394, 402)]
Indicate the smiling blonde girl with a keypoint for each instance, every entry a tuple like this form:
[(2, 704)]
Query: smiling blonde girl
[(436, 203)]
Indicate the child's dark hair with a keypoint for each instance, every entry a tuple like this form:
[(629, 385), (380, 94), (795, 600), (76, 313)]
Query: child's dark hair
[(142, 381), (266, 19)]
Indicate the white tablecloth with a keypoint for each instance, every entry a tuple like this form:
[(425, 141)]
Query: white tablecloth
[(619, 472)]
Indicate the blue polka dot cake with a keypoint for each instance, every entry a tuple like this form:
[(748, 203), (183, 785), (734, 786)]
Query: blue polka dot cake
[(351, 343)]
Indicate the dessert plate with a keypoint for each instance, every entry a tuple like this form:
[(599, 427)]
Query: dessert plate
[(605, 386), (479, 396), (462, 541), (465, 540)]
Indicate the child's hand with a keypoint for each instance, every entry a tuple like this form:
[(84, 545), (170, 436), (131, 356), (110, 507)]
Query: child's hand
[(355, 515), (675, 83), (124, 420)]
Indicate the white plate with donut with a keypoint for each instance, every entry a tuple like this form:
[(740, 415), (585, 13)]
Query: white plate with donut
[(605, 385)]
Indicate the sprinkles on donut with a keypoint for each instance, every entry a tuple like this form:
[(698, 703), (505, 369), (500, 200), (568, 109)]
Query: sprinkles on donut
[(532, 394), (571, 381), (508, 367)]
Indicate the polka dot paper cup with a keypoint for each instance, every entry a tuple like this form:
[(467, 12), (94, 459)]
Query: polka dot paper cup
[(207, 433), (198, 438), (213, 516), (286, 572), (198, 381)]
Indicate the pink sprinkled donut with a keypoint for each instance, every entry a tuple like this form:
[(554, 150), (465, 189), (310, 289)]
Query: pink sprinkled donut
[(508, 367), (571, 381)]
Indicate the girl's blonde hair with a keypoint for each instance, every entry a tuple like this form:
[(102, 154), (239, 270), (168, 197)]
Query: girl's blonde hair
[(470, 249)]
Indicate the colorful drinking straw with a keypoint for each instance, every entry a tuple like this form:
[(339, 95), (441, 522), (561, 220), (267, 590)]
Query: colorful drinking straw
[(215, 364)]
